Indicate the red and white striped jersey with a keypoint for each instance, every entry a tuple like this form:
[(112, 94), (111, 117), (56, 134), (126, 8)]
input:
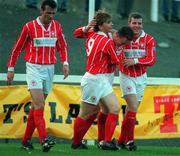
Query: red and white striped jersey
[(40, 44), (101, 52), (143, 49)]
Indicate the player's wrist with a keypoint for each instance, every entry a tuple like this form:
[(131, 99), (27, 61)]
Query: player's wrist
[(10, 69), (86, 28)]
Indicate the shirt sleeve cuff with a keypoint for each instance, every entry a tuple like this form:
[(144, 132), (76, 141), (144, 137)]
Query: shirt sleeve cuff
[(84, 29), (10, 69), (65, 63)]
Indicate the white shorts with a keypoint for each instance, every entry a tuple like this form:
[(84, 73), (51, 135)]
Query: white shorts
[(110, 77), (133, 85), (39, 76), (94, 87)]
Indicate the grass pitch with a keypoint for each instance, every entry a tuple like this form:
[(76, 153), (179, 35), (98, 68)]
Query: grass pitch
[(13, 149)]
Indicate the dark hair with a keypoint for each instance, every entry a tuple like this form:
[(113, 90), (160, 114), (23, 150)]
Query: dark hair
[(135, 15), (101, 17), (126, 32), (50, 3)]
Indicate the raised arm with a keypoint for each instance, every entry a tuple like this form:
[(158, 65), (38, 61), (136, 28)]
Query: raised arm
[(84, 31)]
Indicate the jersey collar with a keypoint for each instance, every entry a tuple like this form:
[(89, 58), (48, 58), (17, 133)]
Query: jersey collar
[(102, 33), (39, 22), (142, 34)]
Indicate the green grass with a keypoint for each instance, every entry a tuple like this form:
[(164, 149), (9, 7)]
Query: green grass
[(13, 149)]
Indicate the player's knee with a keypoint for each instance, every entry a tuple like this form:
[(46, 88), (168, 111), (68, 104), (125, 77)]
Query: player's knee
[(133, 108), (115, 109), (104, 110), (86, 116), (39, 104)]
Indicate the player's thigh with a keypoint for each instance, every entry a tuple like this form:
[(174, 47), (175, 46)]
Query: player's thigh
[(132, 102), (127, 84), (91, 91), (33, 76), (37, 98), (87, 110), (103, 108), (111, 102), (128, 87)]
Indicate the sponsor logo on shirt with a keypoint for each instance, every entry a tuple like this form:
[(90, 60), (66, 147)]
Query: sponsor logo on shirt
[(45, 42), (134, 53)]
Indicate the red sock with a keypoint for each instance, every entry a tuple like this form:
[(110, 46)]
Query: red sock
[(81, 126), (110, 126), (122, 137), (101, 120), (30, 126), (130, 124), (40, 123)]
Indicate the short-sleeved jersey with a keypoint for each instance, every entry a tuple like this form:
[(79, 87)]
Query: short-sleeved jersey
[(101, 54), (40, 44), (143, 49)]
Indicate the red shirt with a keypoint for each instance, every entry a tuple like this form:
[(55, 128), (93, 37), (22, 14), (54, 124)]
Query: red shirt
[(143, 49), (40, 43), (101, 52)]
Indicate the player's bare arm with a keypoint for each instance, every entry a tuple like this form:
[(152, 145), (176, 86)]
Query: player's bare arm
[(90, 25)]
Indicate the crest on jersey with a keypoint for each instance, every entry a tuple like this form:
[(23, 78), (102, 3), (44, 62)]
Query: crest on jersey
[(93, 98), (129, 88), (53, 34), (141, 45), (119, 50), (33, 83)]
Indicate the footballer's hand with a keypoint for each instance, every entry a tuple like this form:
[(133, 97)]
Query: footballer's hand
[(90, 25), (128, 62), (65, 71), (10, 77)]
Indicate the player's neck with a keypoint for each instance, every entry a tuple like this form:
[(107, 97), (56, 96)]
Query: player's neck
[(137, 35), (43, 21), (45, 24)]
